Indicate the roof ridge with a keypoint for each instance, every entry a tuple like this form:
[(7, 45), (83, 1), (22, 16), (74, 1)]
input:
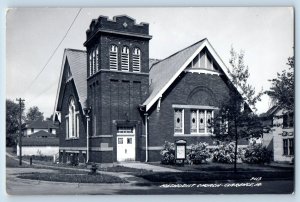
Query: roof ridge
[(77, 50), (178, 52)]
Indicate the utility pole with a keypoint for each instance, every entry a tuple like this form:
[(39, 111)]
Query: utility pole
[(20, 100)]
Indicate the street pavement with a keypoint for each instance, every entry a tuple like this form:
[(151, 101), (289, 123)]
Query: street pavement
[(136, 186)]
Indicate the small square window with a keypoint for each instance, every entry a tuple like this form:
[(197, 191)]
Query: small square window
[(129, 140), (120, 140)]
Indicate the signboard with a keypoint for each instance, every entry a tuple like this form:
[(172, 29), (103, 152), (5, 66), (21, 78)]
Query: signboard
[(180, 152)]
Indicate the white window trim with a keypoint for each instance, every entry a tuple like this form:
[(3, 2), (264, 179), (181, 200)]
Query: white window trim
[(136, 60), (182, 120), (97, 59), (94, 63), (69, 135), (90, 64), (113, 50), (197, 109), (77, 124), (67, 126), (126, 133), (125, 66)]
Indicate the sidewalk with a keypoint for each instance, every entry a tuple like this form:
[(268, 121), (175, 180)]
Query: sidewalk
[(140, 165)]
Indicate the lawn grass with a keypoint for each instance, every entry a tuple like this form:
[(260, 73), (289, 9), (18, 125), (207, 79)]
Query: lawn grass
[(124, 169), (72, 177), (13, 163), (223, 167)]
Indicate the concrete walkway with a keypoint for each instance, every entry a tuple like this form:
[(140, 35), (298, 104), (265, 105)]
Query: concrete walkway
[(140, 165)]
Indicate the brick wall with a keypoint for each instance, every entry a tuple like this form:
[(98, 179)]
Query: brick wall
[(189, 88), (70, 91)]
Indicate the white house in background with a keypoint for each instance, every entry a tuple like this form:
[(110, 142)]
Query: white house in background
[(40, 125), (281, 135), (40, 143)]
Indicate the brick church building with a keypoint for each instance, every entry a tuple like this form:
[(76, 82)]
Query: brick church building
[(114, 103)]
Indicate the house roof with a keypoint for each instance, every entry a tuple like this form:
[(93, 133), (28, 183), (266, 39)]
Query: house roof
[(38, 141), (41, 124), (270, 112), (162, 72), (78, 68), (42, 134)]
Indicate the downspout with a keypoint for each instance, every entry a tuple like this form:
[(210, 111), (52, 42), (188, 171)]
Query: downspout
[(87, 138), (146, 136)]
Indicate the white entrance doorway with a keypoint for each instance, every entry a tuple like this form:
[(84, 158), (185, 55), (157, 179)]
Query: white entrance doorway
[(126, 144)]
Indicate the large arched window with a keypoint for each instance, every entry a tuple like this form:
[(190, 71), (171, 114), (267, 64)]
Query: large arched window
[(90, 64), (72, 121), (113, 57), (94, 61), (125, 59), (136, 60), (97, 59)]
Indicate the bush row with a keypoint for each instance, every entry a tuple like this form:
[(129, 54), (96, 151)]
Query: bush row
[(222, 153)]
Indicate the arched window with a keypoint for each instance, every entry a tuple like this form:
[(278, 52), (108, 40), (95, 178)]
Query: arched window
[(97, 59), (72, 121), (136, 60), (94, 61), (125, 59), (113, 57), (90, 64)]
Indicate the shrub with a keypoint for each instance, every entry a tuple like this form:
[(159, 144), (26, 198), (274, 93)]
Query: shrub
[(93, 169), (168, 153), (257, 154), (198, 153), (224, 153)]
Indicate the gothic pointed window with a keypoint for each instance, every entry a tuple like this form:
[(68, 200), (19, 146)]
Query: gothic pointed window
[(113, 57), (125, 59), (136, 60), (72, 121)]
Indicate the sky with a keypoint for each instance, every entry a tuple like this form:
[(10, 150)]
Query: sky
[(266, 35)]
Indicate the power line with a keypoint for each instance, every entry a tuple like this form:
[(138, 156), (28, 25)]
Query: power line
[(43, 92), (37, 76)]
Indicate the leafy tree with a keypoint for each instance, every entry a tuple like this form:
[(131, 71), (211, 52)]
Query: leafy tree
[(282, 89), (34, 114), (235, 120), (12, 120)]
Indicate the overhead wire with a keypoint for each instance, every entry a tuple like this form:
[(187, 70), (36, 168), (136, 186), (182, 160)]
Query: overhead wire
[(53, 53), (49, 59)]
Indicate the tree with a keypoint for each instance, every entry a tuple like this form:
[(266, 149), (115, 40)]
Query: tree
[(282, 91), (12, 120), (34, 114), (235, 119)]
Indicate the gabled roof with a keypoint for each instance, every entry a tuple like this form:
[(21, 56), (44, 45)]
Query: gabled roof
[(38, 141), (78, 68), (163, 73), (41, 124), (42, 134), (270, 112)]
